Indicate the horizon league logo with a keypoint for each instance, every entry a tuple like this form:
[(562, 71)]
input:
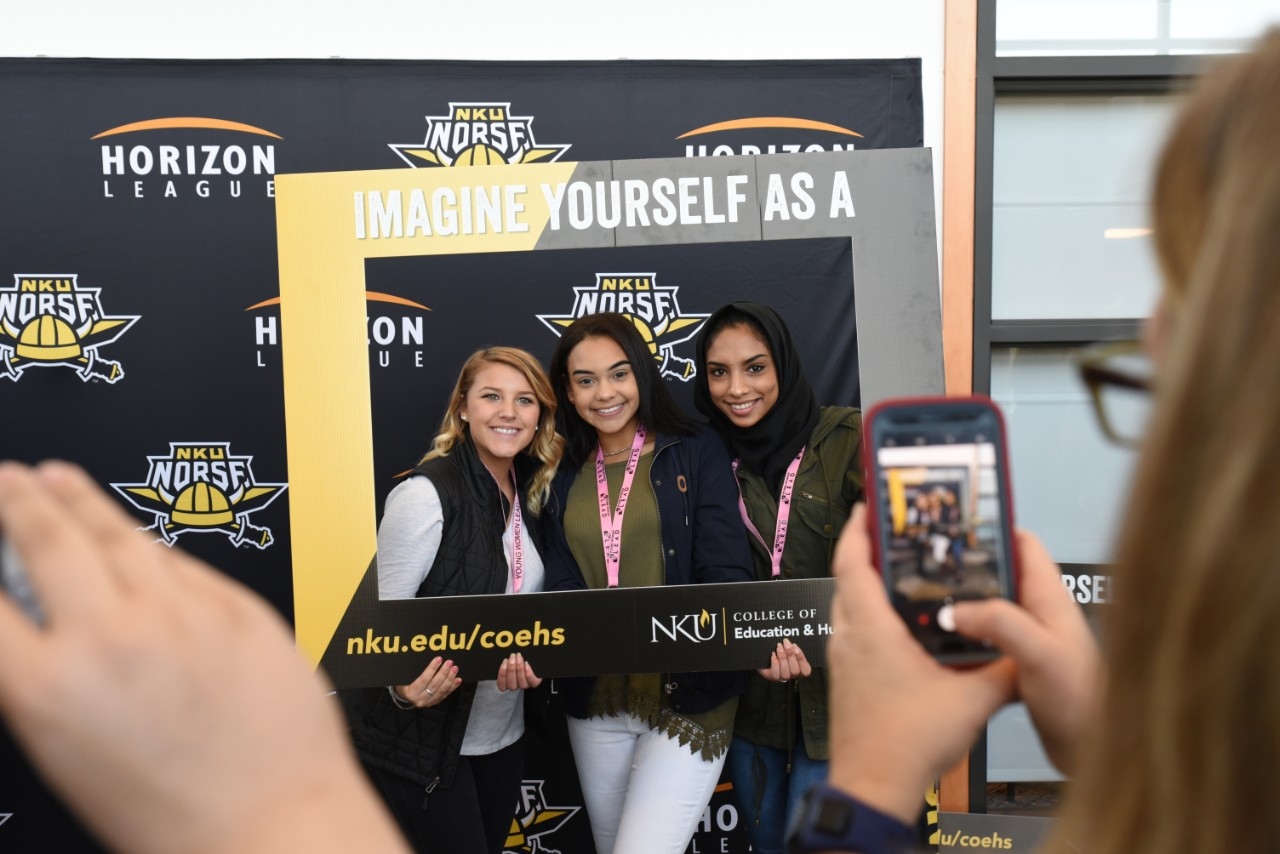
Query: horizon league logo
[(47, 320), (180, 167), (534, 819), (200, 487), (403, 332), (478, 133), (654, 310), (767, 126)]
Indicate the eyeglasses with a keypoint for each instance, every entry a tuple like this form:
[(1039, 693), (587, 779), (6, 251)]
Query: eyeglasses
[(1119, 379)]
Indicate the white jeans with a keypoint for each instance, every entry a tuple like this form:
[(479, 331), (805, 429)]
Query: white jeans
[(644, 791)]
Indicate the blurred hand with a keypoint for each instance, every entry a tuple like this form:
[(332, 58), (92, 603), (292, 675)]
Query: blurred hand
[(516, 674), (162, 700), (437, 681), (898, 718), (787, 662), (1059, 668)]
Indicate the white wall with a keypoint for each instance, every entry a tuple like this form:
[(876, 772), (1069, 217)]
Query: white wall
[(493, 30)]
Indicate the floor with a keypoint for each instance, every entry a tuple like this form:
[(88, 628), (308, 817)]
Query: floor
[(1025, 799)]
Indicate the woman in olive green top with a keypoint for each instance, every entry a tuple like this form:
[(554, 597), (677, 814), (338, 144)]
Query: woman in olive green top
[(643, 498), (750, 386)]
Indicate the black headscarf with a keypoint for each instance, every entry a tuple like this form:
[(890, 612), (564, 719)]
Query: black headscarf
[(768, 446)]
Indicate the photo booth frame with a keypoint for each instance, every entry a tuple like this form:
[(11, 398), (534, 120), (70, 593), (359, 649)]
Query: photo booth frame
[(330, 224)]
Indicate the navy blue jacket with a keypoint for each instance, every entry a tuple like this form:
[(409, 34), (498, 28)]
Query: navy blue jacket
[(703, 542)]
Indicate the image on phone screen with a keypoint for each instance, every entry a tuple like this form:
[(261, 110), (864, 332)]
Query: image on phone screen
[(942, 525)]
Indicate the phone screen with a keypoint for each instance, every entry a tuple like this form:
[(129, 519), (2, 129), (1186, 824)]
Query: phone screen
[(13, 581), (942, 517)]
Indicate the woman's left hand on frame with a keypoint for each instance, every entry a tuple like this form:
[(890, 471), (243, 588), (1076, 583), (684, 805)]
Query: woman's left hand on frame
[(516, 674), (787, 662)]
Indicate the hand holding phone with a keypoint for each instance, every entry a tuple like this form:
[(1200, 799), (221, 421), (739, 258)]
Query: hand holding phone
[(898, 717), (940, 514)]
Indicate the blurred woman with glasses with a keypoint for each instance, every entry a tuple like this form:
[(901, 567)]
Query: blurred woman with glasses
[(1173, 745)]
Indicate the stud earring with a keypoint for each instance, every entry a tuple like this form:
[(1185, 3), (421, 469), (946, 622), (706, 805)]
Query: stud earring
[(463, 416)]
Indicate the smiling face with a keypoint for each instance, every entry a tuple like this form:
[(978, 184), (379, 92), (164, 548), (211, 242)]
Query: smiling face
[(741, 376), (603, 390), (503, 413)]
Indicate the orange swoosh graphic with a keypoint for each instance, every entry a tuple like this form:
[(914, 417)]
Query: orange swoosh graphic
[(770, 122), (368, 295), (377, 297), (186, 122)]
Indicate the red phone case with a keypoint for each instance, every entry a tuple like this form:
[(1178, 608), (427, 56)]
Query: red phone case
[(871, 478)]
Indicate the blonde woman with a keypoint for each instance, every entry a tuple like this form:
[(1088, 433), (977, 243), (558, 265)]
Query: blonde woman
[(446, 753)]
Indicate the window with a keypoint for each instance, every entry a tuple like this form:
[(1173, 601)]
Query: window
[(1073, 98), (1128, 27), (1071, 178)]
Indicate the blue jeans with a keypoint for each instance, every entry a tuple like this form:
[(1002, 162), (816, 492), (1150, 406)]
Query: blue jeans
[(760, 777)]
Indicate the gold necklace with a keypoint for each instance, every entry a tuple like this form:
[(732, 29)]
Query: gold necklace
[(619, 451)]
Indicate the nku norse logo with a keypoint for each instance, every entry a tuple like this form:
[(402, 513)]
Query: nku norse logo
[(654, 310), (535, 820), (48, 320), (478, 133), (200, 487)]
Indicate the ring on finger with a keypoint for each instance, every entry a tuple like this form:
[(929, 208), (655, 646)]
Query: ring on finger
[(430, 692)]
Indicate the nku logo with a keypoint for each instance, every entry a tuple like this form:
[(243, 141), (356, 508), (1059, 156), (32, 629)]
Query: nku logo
[(48, 320), (654, 310), (201, 487), (697, 628), (478, 133)]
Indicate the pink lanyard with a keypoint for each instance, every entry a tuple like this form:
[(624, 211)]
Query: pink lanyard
[(517, 546), (611, 523), (784, 513)]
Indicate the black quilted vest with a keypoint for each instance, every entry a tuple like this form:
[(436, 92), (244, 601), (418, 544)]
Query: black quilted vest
[(422, 745)]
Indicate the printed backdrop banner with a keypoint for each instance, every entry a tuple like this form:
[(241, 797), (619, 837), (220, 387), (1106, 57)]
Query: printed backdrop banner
[(140, 317)]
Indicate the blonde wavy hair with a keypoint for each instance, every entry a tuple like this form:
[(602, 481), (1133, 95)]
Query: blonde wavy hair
[(547, 446), (1185, 753)]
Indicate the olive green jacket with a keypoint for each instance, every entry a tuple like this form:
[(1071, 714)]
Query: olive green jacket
[(828, 483)]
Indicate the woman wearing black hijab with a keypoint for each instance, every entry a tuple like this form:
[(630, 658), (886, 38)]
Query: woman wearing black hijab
[(751, 387)]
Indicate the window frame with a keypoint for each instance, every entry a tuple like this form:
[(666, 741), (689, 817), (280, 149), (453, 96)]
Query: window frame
[(1150, 74)]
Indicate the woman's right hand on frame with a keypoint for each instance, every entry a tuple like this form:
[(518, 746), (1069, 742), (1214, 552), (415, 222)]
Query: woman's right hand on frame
[(787, 662), (432, 686)]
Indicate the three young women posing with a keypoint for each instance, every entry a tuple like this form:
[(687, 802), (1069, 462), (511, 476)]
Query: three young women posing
[(446, 754), (751, 387), (643, 498)]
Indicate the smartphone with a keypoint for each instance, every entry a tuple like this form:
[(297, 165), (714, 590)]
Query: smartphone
[(940, 514)]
